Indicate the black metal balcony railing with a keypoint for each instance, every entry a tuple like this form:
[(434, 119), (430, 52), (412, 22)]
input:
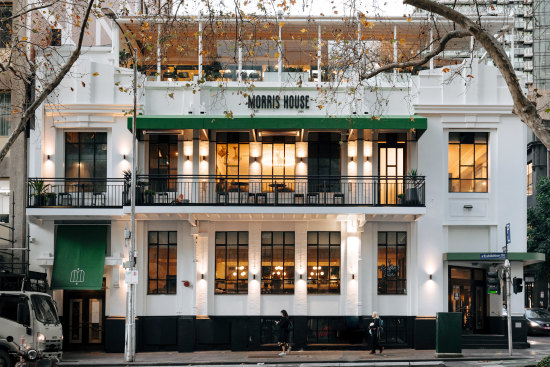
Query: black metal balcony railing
[(230, 190)]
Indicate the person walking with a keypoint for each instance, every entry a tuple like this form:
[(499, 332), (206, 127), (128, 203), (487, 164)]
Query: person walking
[(284, 324), (375, 328)]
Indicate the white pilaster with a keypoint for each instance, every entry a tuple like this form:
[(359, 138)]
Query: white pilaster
[(300, 286)]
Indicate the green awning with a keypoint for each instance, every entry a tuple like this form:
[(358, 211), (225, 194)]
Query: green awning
[(527, 257), (79, 257), (170, 122)]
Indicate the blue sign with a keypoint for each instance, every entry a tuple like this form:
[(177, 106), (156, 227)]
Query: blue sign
[(508, 236), (492, 256)]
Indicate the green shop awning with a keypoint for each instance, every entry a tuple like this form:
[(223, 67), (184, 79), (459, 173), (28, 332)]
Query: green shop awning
[(170, 122), (79, 257), (527, 258)]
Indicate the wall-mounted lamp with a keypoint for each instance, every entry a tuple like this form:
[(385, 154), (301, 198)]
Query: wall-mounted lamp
[(352, 276), (431, 276), (301, 276), (255, 159), (351, 159), (48, 156), (204, 158), (367, 159), (202, 276), (301, 159), (188, 157), (254, 276), (123, 156), (177, 154)]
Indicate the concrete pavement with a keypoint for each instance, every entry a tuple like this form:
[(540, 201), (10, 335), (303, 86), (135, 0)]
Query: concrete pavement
[(540, 348)]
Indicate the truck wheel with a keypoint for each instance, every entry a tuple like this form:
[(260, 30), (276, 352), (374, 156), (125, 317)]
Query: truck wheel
[(5, 359)]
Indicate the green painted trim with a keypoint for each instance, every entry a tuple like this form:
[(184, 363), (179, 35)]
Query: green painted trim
[(169, 122), (531, 257)]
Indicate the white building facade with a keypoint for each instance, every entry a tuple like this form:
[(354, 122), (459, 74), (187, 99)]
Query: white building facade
[(383, 203)]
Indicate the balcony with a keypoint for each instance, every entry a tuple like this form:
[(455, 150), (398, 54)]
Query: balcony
[(155, 190)]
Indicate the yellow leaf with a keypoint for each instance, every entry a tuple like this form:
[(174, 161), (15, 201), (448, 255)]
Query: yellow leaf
[(95, 74), (402, 41), (121, 89), (24, 38), (281, 24), (446, 70), (409, 19), (276, 54)]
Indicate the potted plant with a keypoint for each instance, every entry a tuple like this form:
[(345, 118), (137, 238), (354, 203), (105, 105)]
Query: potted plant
[(39, 190), (401, 199), (149, 197), (51, 198), (416, 179), (127, 174)]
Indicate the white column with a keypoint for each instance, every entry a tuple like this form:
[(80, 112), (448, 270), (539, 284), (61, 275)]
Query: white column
[(361, 184), (280, 59), (201, 303), (394, 48), (351, 246), (300, 285), (319, 54), (115, 43), (431, 48), (239, 77), (196, 162), (159, 67), (200, 50), (254, 268)]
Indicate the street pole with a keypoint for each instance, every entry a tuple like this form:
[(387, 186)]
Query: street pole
[(130, 328), (130, 332), (508, 304)]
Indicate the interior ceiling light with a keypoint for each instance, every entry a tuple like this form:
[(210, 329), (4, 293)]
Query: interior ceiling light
[(280, 133)]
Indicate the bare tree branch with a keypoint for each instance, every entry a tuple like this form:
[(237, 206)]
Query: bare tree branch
[(29, 112), (523, 107), (402, 65)]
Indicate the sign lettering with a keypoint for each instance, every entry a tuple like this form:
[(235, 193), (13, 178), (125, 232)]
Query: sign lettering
[(257, 102)]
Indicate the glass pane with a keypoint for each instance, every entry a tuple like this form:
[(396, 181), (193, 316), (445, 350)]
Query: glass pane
[(163, 237), (220, 238), (220, 262), (454, 161), (153, 237), (481, 161), (221, 159), (173, 261), (152, 259), (467, 154), (244, 159), (266, 238), (172, 237)]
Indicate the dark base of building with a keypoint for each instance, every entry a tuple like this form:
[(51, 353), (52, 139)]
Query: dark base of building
[(243, 333)]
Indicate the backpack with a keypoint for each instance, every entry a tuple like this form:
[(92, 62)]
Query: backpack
[(380, 327)]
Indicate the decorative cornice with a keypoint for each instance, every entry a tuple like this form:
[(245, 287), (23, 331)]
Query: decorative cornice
[(463, 109)]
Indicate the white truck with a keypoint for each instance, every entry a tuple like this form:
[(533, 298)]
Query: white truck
[(31, 319)]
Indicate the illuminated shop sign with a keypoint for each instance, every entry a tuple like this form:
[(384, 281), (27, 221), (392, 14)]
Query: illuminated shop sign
[(275, 102)]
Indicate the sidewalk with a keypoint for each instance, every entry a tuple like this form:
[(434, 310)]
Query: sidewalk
[(390, 357)]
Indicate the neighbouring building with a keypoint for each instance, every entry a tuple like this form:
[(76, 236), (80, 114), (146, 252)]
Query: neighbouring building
[(257, 191)]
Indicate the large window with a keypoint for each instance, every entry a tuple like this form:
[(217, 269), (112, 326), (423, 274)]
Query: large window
[(392, 262), (85, 155), (5, 112), (231, 263), (530, 178), (277, 262), (163, 160), (323, 262), (468, 162), (163, 260), (324, 162), (5, 25)]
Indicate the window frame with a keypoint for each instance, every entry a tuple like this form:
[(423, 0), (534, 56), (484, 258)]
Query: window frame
[(80, 152), (313, 280), (241, 279), (169, 277), (287, 280), (475, 179), (382, 289), (5, 112), (530, 178)]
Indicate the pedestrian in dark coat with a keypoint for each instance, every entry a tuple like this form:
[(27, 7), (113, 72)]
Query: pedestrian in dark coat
[(374, 331), (284, 333)]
